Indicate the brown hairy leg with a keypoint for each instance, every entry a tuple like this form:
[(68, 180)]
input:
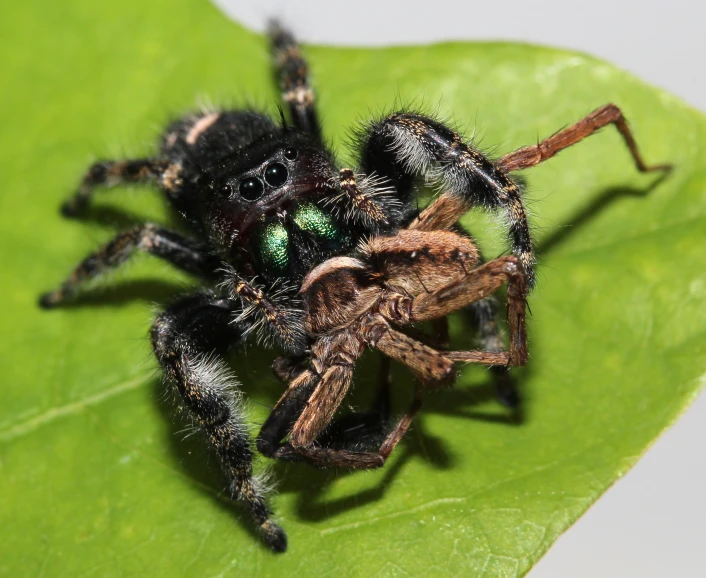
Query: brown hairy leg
[(312, 399), (530, 156), (474, 286)]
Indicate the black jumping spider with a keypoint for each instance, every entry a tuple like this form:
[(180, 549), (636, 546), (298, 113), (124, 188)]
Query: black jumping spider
[(265, 204)]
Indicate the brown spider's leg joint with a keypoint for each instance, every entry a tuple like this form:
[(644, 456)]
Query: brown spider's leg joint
[(430, 366), (531, 156), (396, 308), (109, 174), (476, 285)]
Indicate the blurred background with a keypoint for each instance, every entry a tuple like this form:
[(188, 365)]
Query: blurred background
[(652, 523)]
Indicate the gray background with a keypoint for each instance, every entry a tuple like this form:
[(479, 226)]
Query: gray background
[(652, 523)]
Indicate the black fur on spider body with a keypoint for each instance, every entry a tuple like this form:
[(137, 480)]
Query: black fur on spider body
[(265, 204)]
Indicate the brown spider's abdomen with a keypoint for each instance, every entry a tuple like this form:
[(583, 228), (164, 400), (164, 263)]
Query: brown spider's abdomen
[(415, 262), (336, 293)]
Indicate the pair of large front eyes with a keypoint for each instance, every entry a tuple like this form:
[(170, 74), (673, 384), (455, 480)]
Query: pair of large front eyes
[(275, 175)]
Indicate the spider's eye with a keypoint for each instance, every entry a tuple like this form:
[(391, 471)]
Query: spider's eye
[(290, 153), (251, 188), (276, 174)]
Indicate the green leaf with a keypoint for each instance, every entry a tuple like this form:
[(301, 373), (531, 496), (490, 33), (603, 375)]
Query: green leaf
[(94, 477)]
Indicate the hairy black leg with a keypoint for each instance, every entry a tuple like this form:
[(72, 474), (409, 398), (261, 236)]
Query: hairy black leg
[(405, 146), (293, 73), (285, 413), (149, 238), (189, 339), (108, 174)]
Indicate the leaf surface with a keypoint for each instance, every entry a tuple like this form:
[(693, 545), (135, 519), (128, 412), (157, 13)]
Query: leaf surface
[(94, 476)]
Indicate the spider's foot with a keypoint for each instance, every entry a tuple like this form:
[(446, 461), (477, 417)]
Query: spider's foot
[(274, 536), (50, 299), (74, 207)]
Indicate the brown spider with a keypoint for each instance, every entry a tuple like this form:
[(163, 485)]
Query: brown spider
[(354, 302)]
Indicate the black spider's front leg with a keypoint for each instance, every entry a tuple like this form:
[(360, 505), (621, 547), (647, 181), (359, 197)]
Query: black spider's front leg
[(109, 174), (405, 146), (361, 199), (189, 339), (184, 253)]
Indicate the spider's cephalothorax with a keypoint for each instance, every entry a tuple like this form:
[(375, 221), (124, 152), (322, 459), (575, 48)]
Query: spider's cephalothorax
[(263, 204)]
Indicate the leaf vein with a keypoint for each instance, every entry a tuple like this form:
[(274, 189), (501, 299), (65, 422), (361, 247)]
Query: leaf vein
[(55, 413)]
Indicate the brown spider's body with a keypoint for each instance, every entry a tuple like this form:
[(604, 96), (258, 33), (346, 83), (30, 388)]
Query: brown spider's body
[(410, 263), (355, 302)]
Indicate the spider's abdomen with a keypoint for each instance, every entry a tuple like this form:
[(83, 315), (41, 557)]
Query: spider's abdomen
[(337, 292), (415, 262), (204, 138)]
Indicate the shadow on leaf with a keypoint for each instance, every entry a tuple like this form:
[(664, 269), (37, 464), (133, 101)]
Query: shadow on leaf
[(592, 210)]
